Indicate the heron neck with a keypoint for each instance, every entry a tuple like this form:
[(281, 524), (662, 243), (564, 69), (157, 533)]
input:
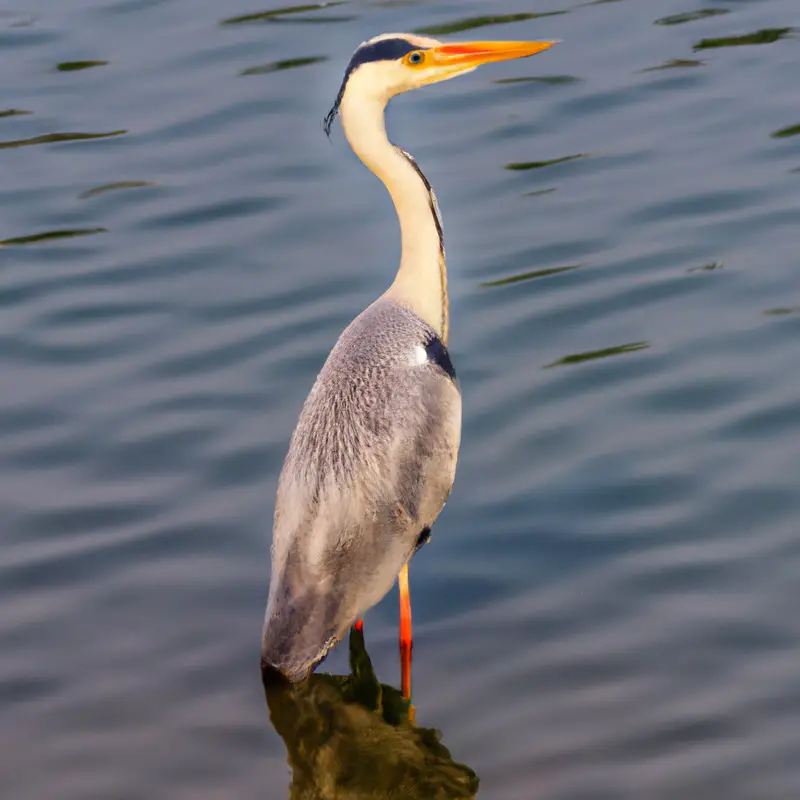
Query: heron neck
[(421, 280)]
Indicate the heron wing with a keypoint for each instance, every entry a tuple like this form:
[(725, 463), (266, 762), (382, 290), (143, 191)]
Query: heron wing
[(371, 463)]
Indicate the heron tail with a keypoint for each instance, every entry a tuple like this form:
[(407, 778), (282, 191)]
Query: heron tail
[(299, 630)]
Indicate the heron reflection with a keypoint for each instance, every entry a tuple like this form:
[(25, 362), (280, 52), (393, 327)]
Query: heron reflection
[(349, 736)]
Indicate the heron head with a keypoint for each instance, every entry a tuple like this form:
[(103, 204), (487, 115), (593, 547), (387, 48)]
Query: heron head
[(393, 63)]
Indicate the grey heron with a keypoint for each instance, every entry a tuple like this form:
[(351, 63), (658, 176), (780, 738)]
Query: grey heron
[(373, 455)]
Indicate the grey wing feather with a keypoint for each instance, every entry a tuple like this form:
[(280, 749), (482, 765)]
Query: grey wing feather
[(370, 465)]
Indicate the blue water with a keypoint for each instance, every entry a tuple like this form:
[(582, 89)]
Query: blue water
[(607, 608)]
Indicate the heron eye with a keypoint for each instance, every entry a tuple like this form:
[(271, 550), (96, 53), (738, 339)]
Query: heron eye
[(415, 58)]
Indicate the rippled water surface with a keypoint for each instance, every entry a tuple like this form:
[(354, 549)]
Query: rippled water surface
[(608, 608)]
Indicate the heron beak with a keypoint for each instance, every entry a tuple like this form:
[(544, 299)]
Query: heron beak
[(469, 55)]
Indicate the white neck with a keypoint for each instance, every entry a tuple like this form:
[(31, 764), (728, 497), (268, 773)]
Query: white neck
[(421, 280)]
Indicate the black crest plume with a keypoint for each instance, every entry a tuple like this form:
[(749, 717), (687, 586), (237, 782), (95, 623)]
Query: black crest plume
[(383, 50)]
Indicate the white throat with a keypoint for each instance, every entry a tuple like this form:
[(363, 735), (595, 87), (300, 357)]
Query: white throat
[(420, 283)]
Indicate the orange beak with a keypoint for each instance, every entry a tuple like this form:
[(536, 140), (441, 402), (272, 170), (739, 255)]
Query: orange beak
[(472, 54)]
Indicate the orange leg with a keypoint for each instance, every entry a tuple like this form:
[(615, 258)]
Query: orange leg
[(359, 626), (405, 634)]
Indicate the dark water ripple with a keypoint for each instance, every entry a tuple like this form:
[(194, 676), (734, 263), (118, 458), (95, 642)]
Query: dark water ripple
[(606, 609)]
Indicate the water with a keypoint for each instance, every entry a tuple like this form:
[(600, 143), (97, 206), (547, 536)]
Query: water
[(608, 605)]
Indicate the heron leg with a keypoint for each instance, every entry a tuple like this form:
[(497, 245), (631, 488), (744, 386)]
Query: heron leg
[(405, 633), (359, 625)]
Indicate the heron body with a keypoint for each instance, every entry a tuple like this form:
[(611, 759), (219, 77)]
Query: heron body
[(373, 456), (370, 465)]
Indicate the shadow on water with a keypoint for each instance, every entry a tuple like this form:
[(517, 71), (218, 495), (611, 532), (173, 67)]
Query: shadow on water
[(518, 166), (349, 736), (552, 80), (691, 16), (76, 66), (48, 236), (591, 355), (113, 187), (675, 63), (530, 276), (712, 266), (470, 23), (280, 66), (764, 36), (540, 192), (52, 138), (785, 133), (290, 12), (782, 311)]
